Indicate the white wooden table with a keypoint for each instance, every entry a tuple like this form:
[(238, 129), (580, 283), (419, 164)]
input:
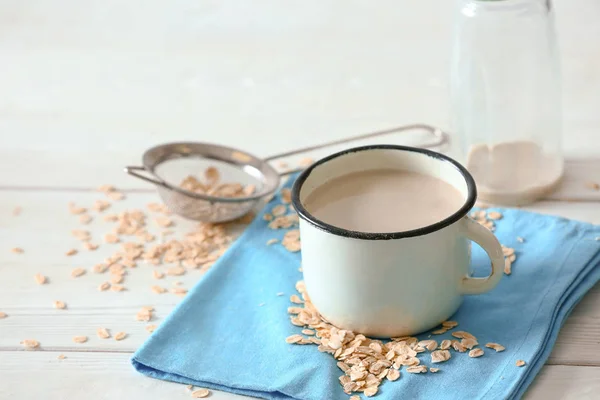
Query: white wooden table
[(87, 86)]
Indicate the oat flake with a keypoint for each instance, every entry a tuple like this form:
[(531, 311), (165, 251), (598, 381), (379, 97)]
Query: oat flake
[(77, 272), (80, 339), (495, 346), (60, 305), (393, 374), (103, 333), (200, 393), (30, 344), (40, 279), (476, 353), (439, 356)]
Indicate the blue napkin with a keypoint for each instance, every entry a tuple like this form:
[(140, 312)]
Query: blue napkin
[(229, 332)]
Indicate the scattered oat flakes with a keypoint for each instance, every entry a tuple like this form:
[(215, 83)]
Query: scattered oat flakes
[(439, 356), (393, 374), (60, 305), (271, 241), (157, 274), (200, 393), (463, 335), (469, 343), (179, 291), (520, 363), (71, 252), (476, 353), (115, 196), (286, 196), (507, 251), (507, 266), (30, 344), (100, 205), (73, 209), (494, 215), (80, 339), (417, 369), (150, 328), (457, 346), (144, 315), (116, 279), (295, 299), (111, 238), (85, 219), (163, 221), (80, 234), (449, 324), (495, 346), (40, 279), (61, 357), (293, 339), (433, 370), (17, 250), (267, 217), (103, 333), (104, 286), (176, 271), (439, 331), (520, 239), (90, 246), (445, 344), (106, 188), (158, 289), (3, 315), (117, 288), (111, 218), (77, 272), (355, 397), (279, 210), (371, 390), (120, 336)]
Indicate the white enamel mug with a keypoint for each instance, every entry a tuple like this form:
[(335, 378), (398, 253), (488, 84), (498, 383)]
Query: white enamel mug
[(392, 284)]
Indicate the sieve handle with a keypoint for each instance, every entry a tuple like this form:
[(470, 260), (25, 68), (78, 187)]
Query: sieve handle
[(440, 137), (133, 171)]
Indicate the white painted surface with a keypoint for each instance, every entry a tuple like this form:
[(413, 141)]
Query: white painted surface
[(89, 85)]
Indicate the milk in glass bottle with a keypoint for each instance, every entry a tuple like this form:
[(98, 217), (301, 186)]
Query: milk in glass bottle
[(505, 89)]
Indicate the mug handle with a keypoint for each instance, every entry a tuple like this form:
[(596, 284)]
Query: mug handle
[(487, 240)]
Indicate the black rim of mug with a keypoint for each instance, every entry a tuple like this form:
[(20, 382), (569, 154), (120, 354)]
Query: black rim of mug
[(460, 213)]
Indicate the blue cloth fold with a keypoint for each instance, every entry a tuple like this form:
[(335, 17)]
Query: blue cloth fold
[(229, 332)]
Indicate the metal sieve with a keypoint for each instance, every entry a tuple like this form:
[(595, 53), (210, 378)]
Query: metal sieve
[(166, 165)]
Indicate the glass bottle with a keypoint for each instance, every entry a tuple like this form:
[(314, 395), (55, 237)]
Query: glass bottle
[(506, 100)]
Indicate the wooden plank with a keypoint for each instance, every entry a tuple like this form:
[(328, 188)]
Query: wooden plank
[(110, 376), (83, 375)]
